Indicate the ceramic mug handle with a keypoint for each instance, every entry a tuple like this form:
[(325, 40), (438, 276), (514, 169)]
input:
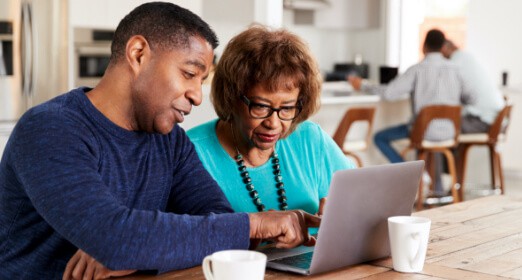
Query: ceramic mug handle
[(206, 268)]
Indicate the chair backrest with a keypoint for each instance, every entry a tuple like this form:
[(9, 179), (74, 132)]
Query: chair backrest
[(352, 115), (429, 113), (499, 126)]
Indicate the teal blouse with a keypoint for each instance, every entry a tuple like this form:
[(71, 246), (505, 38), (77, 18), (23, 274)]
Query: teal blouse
[(308, 158)]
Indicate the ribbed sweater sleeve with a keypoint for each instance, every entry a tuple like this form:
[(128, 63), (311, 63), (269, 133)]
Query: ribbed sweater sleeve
[(79, 184)]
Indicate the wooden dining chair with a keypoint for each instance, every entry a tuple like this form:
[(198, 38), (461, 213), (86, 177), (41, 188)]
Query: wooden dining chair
[(496, 133), (352, 115), (425, 148)]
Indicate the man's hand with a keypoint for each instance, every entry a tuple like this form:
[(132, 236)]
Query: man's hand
[(288, 229), (355, 81), (322, 202), (83, 266)]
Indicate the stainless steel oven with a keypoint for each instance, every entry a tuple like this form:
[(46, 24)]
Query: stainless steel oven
[(92, 54)]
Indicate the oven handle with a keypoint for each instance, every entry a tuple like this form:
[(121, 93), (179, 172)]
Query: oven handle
[(27, 45)]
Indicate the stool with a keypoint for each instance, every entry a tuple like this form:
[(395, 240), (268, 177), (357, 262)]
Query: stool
[(425, 148), (351, 116), (496, 132)]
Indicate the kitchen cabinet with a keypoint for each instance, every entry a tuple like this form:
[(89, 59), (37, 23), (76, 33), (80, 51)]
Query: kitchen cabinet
[(349, 14), (107, 14), (85, 13)]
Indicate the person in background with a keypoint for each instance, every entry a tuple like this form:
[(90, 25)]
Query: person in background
[(433, 81), (108, 170), (477, 117), (261, 150)]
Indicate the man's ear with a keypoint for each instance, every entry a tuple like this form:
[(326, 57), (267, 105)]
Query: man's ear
[(137, 52)]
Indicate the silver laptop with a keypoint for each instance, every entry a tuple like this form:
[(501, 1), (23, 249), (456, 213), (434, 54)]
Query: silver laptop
[(354, 224)]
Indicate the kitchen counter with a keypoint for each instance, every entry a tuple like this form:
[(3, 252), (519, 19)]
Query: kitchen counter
[(343, 93)]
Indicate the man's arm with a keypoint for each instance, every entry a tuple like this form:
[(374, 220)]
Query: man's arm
[(59, 171), (398, 88), (288, 229), (194, 191)]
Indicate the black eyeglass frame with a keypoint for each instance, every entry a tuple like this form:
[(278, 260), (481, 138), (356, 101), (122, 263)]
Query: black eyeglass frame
[(251, 104)]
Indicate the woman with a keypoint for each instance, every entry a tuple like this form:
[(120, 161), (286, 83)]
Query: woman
[(261, 150)]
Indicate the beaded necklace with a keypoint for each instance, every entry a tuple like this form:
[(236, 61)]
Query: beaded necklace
[(280, 186)]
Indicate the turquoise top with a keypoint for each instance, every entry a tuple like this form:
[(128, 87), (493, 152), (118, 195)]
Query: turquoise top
[(308, 158)]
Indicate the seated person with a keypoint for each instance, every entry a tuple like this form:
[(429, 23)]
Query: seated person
[(262, 151), (107, 171), (432, 81), (476, 117)]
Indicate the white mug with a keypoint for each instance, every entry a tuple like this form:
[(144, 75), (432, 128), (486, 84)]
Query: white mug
[(235, 265), (408, 242)]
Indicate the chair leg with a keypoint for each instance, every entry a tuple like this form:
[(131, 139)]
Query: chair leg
[(420, 196), (462, 162), (499, 171), (357, 159), (493, 165), (452, 170), (429, 159)]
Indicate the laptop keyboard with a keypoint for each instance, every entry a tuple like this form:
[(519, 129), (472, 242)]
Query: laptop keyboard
[(301, 261)]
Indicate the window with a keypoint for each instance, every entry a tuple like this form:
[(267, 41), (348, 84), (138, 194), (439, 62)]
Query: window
[(410, 20)]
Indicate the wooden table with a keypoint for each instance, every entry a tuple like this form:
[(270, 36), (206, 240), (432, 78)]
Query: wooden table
[(476, 239)]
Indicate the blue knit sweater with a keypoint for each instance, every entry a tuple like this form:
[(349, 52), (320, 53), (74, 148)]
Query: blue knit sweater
[(70, 178)]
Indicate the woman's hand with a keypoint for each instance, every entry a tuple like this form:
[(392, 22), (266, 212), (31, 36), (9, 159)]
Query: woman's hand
[(82, 266)]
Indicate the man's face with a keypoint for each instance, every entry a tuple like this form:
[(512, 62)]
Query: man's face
[(169, 84)]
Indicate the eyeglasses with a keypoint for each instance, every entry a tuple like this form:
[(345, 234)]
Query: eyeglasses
[(262, 111)]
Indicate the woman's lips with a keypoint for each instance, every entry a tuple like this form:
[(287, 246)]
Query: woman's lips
[(268, 137)]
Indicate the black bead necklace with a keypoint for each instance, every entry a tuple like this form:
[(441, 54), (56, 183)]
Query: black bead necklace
[(280, 186)]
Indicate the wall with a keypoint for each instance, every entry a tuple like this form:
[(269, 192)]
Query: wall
[(227, 18), (493, 39), (327, 45)]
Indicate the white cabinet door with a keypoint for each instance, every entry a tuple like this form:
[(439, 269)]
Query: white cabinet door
[(118, 9), (92, 13), (107, 14), (350, 14)]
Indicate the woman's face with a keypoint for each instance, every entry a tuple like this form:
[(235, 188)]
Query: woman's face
[(263, 133)]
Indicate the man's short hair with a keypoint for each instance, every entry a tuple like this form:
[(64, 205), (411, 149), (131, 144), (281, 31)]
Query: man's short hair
[(164, 25), (434, 40)]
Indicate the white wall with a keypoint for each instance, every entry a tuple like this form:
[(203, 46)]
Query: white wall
[(327, 45), (494, 37), (227, 18)]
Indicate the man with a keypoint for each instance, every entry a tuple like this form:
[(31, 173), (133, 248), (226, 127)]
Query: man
[(108, 171), (477, 117), (432, 81)]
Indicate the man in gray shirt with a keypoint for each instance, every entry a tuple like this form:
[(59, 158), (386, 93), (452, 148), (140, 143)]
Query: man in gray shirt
[(433, 81), (476, 117)]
